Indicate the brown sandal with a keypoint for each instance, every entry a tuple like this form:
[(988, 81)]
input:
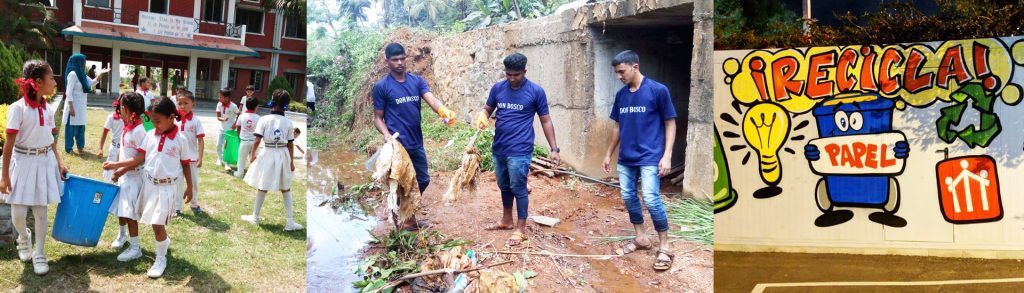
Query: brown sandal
[(499, 226), (662, 265), (630, 245), (516, 239)]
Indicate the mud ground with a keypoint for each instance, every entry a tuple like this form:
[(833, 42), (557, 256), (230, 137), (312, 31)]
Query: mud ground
[(586, 210)]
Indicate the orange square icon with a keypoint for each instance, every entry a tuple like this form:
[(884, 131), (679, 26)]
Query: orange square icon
[(969, 190)]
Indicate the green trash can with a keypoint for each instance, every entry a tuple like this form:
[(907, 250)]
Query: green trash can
[(146, 123), (231, 147)]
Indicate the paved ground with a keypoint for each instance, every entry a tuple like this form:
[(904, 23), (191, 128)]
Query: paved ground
[(742, 272)]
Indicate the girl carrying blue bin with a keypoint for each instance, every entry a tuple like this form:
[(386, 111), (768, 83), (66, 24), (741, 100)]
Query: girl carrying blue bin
[(32, 170)]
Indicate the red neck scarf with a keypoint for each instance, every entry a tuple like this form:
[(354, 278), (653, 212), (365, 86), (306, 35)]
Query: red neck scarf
[(224, 107), (185, 118), (25, 84), (163, 136), (250, 111)]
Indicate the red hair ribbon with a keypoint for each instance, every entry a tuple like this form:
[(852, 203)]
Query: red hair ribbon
[(24, 84)]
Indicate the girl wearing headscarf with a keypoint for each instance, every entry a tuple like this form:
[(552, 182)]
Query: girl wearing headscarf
[(77, 85)]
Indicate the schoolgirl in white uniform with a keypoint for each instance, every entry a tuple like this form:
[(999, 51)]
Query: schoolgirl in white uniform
[(272, 168), (32, 169), (192, 131), (227, 113), (246, 126), (126, 171), (113, 126), (166, 163)]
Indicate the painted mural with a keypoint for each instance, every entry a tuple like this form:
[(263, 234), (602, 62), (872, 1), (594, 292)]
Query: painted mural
[(912, 136)]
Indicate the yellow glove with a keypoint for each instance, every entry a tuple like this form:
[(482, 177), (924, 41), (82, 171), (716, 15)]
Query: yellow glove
[(448, 116), (482, 120)]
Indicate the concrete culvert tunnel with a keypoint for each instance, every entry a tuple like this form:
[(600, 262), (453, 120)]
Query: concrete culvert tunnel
[(664, 40)]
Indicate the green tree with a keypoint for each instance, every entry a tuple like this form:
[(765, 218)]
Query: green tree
[(27, 25), (280, 83), (12, 57), (429, 11)]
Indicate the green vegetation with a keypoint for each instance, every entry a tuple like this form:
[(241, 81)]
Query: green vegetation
[(743, 24), (450, 157), (11, 59), (400, 252)]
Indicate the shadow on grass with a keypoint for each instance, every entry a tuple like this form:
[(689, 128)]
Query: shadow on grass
[(71, 273), (87, 156), (204, 219), (279, 229)]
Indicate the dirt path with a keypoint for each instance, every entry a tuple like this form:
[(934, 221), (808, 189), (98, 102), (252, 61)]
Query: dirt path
[(586, 210)]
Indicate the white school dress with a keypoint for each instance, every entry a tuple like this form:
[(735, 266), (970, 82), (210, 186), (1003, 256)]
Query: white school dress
[(132, 141), (272, 168), (35, 176), (230, 112), (191, 129), (115, 125), (246, 129), (147, 97), (165, 152)]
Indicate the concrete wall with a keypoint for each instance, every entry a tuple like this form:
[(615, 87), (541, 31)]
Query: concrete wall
[(569, 56), (904, 174)]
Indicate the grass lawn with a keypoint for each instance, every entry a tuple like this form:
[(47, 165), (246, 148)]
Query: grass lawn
[(213, 252)]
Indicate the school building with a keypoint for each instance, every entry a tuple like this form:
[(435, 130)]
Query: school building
[(206, 44)]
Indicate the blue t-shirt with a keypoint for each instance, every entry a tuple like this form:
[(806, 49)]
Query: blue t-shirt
[(513, 128), (400, 102), (641, 116)]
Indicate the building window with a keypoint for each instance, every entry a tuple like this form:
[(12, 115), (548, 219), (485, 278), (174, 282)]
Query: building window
[(213, 11), (293, 80), (294, 29), (232, 78), (98, 3), (256, 79), (252, 19), (158, 6), (56, 60)]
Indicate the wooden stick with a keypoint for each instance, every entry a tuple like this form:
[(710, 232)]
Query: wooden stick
[(401, 280), (556, 254), (581, 176)]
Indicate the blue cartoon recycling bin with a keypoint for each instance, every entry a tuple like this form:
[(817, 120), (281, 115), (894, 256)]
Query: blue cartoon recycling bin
[(858, 156)]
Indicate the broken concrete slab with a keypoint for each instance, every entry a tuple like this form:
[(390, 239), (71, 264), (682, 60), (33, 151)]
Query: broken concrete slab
[(546, 221)]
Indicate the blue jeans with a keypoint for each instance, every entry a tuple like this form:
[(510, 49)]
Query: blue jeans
[(650, 184), (74, 134), (510, 173), (421, 164)]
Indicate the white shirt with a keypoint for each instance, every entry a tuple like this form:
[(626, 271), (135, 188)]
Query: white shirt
[(310, 92), (247, 125), (164, 154), (76, 95), (147, 97), (116, 126), (244, 98), (132, 142), (191, 131), (275, 129), (230, 113), (24, 121)]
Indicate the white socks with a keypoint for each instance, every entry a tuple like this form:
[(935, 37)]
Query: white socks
[(19, 213), (161, 247), (123, 233), (260, 196), (287, 205), (135, 242)]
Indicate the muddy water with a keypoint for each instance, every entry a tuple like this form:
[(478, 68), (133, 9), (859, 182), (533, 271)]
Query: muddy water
[(335, 235)]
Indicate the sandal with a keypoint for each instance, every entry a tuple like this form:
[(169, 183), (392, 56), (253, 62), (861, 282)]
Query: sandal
[(630, 245), (499, 226), (516, 239), (662, 265), (421, 224)]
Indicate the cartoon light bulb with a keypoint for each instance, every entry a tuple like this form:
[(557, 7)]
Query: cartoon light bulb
[(766, 128)]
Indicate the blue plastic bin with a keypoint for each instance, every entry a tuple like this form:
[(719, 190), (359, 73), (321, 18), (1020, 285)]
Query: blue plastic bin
[(83, 210)]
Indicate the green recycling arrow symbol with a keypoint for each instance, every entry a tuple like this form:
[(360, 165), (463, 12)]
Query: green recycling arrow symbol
[(988, 126)]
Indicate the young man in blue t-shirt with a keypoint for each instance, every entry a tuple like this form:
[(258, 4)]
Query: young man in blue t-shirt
[(516, 100), (396, 105), (645, 117)]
